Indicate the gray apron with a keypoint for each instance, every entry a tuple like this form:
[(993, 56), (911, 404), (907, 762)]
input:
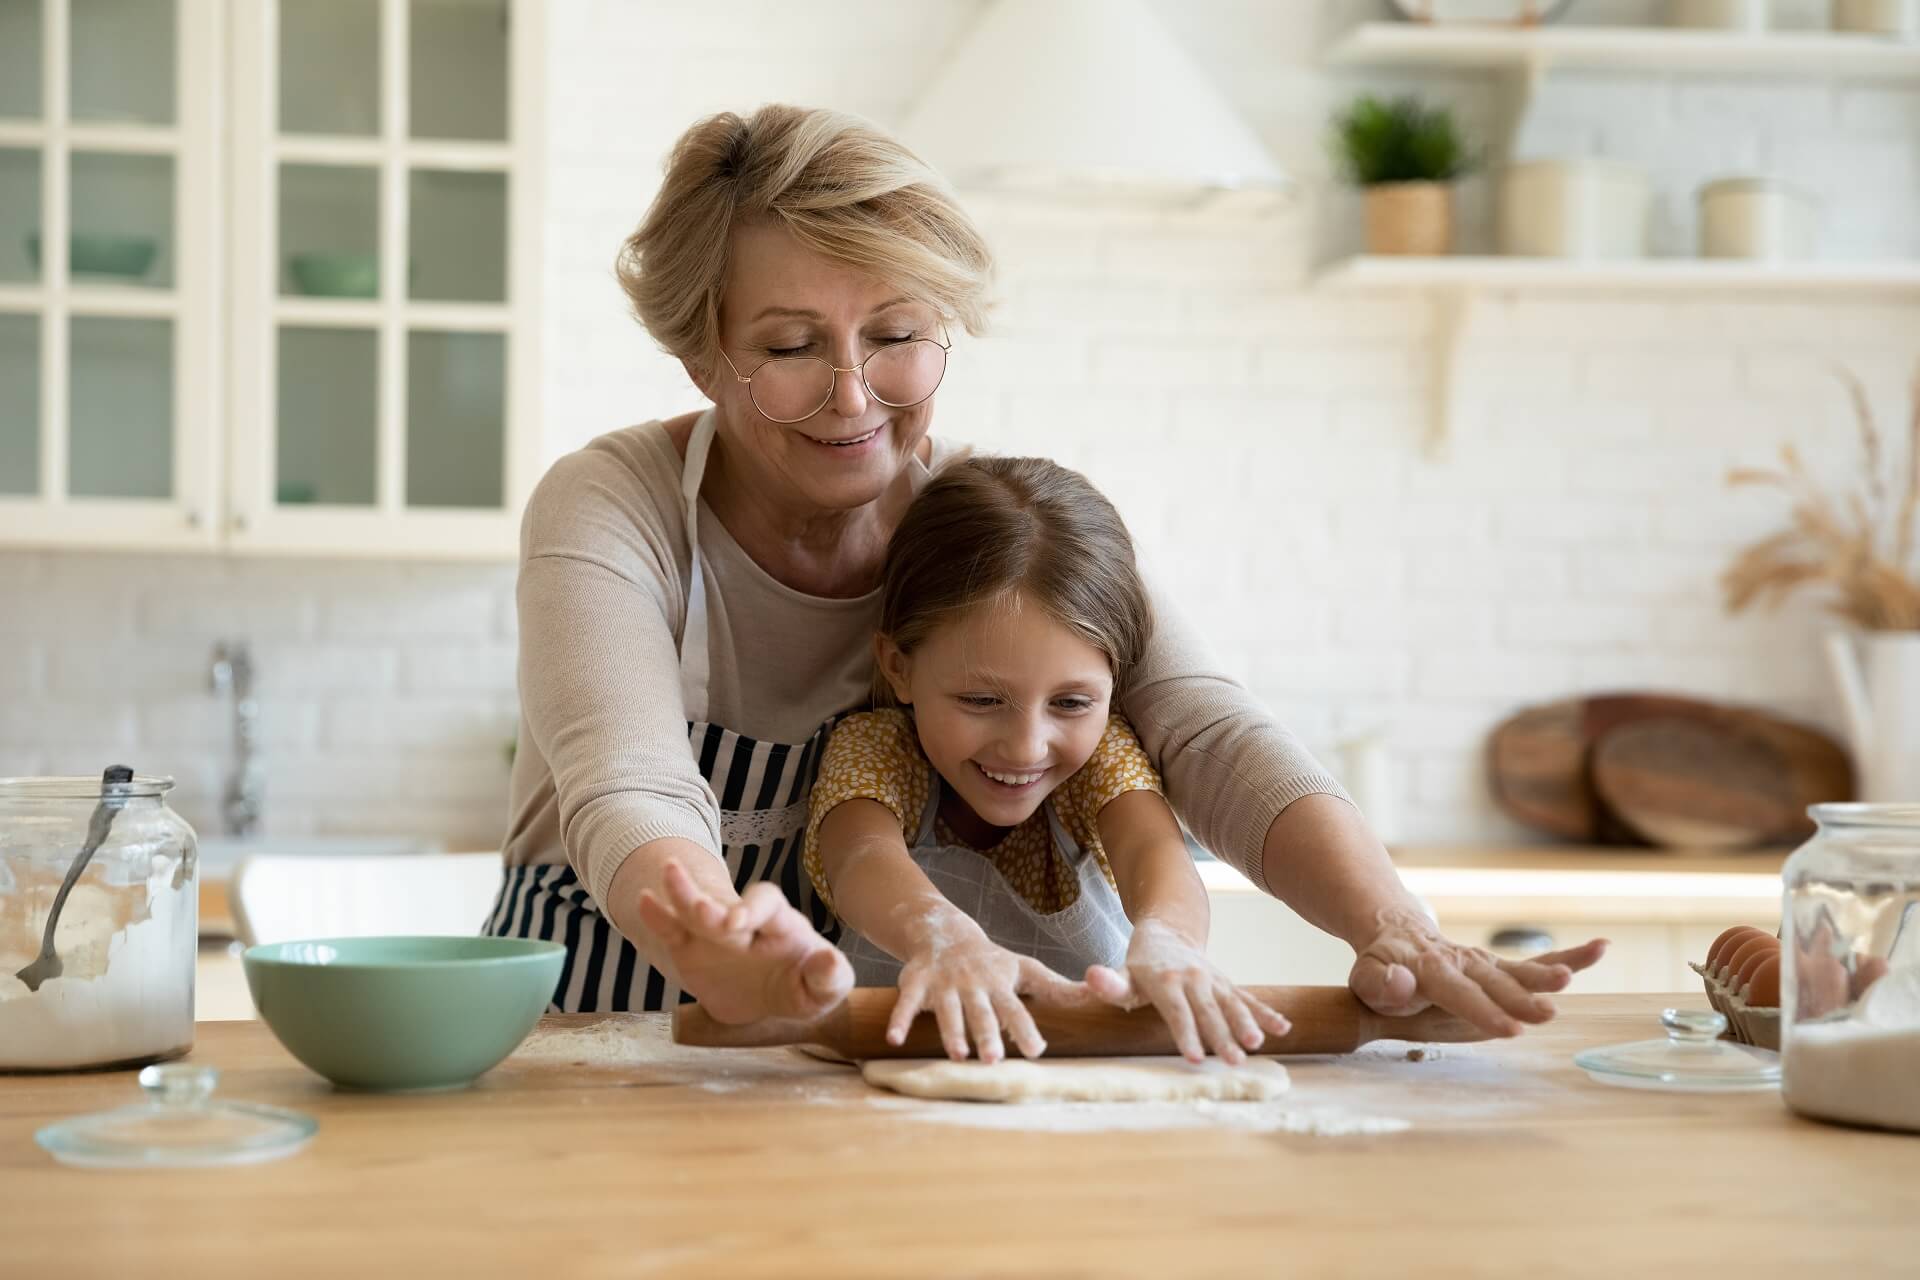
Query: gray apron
[(1092, 930)]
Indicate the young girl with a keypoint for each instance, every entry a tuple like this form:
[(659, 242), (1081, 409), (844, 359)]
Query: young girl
[(996, 812)]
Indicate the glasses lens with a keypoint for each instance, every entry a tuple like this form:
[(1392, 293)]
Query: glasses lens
[(906, 373), (790, 390)]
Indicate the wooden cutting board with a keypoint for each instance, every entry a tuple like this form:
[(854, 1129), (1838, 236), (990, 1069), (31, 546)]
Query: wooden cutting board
[(1325, 1020), (1694, 784), (1539, 761)]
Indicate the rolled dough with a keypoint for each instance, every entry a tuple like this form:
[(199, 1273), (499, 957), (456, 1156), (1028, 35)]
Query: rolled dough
[(1079, 1079)]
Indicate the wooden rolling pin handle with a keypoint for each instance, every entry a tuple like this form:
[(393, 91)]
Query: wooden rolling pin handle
[(1325, 1020)]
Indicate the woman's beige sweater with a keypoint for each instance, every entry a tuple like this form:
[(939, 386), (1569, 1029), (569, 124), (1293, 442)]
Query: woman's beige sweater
[(604, 765)]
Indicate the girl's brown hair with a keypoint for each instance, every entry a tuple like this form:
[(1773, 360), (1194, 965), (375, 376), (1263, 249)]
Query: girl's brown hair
[(844, 188), (986, 528)]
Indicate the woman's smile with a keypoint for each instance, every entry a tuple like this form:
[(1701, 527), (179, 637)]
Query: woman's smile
[(848, 444)]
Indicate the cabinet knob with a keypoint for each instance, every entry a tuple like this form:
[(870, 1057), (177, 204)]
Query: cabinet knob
[(194, 518), (1522, 939), (239, 522)]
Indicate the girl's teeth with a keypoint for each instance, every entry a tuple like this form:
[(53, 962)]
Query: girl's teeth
[(1013, 779)]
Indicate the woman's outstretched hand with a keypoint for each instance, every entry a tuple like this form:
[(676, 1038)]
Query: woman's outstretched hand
[(1409, 965), (746, 960), (1202, 1006)]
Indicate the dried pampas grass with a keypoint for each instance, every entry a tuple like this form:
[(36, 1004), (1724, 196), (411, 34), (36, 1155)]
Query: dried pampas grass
[(1859, 543)]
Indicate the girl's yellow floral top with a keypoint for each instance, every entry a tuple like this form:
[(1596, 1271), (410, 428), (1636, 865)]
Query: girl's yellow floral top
[(876, 755)]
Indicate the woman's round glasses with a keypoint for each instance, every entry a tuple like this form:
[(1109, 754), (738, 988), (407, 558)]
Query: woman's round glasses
[(789, 389)]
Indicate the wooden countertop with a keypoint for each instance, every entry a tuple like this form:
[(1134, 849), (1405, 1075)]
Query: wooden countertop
[(760, 1163)]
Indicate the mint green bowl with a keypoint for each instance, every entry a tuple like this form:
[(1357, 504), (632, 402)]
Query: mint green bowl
[(336, 275), (403, 1013), (119, 257)]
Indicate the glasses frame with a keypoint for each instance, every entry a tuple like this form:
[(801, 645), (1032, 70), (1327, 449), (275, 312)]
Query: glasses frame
[(944, 342)]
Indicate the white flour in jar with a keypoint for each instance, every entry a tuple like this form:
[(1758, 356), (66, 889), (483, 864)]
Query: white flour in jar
[(1863, 1069), (125, 993)]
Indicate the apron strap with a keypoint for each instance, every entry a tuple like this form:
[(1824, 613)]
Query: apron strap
[(694, 655)]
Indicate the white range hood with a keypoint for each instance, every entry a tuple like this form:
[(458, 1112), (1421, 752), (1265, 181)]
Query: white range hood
[(1086, 99)]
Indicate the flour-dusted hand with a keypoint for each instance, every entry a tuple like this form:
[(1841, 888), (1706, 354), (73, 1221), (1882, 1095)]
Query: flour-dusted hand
[(745, 960), (973, 989), (1202, 1006), (1410, 965)]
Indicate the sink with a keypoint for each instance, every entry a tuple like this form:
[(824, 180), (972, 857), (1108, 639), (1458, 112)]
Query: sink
[(219, 855)]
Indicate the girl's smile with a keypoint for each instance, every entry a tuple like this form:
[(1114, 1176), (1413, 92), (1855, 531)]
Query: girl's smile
[(1008, 703)]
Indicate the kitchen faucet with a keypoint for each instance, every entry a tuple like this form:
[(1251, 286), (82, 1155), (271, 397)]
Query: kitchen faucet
[(232, 673)]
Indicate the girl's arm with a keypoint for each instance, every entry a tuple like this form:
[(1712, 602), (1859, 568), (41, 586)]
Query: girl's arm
[(1167, 962), (948, 964)]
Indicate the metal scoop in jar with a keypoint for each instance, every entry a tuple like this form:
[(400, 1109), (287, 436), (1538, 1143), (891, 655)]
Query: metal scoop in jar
[(113, 798)]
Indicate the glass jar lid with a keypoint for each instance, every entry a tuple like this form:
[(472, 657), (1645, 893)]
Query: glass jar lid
[(178, 1125), (1691, 1057)]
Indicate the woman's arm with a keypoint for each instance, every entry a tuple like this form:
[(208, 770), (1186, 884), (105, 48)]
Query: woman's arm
[(1256, 797), (599, 601), (1322, 859), (1167, 962), (949, 965)]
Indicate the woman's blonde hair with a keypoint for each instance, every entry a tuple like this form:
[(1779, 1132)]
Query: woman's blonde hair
[(842, 187), (987, 528)]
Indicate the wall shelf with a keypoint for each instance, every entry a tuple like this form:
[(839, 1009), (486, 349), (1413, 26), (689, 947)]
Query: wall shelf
[(1454, 283), (1648, 275), (1796, 54)]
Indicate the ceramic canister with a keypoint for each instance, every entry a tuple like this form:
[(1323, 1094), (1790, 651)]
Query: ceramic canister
[(1756, 218), (1573, 208)]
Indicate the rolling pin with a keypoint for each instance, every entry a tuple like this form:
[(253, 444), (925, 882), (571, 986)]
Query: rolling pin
[(1325, 1020)]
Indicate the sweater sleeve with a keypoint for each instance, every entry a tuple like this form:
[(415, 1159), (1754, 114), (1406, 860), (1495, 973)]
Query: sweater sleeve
[(1228, 764), (600, 602)]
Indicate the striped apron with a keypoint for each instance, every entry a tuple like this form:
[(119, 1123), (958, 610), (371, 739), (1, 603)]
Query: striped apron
[(761, 789)]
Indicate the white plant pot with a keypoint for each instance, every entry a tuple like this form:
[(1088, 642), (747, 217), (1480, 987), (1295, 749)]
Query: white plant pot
[(1578, 208), (1748, 16), (1897, 18), (1756, 218)]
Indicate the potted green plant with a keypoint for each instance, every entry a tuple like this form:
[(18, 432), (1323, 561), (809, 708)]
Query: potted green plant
[(1405, 155)]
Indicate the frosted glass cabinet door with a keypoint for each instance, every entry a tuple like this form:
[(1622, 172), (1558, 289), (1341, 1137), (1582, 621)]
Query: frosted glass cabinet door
[(22, 45), (19, 404), (325, 438), (19, 215), (121, 60), (457, 69), (120, 402), (111, 311), (329, 231), (383, 330), (329, 66), (122, 211)]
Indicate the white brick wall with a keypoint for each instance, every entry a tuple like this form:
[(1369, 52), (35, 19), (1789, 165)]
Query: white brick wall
[(1263, 440)]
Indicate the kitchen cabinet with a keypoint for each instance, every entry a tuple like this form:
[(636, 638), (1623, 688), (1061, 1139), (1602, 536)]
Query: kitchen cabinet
[(296, 313)]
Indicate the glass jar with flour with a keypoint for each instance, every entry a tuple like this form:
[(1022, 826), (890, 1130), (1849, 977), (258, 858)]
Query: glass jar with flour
[(1850, 975), (111, 984)]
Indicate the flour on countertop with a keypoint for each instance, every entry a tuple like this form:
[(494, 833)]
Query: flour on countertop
[(621, 1040), (1137, 1117)]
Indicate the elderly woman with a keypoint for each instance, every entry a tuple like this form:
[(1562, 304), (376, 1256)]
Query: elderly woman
[(697, 598)]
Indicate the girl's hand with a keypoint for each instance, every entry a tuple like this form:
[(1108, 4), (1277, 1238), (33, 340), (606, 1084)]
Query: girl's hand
[(747, 960), (1410, 965), (973, 988), (1201, 1005)]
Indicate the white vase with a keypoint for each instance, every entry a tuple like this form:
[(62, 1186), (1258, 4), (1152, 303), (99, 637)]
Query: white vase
[(1878, 674)]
